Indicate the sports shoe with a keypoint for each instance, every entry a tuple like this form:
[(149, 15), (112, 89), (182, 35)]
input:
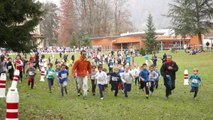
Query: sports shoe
[(101, 98)]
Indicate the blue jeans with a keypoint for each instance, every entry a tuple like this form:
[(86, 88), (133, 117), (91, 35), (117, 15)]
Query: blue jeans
[(101, 90), (127, 88)]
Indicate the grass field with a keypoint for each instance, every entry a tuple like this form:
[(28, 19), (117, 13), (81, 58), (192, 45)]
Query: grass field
[(39, 104)]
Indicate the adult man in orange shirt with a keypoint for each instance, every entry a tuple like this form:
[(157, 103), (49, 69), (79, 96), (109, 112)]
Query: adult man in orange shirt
[(83, 69)]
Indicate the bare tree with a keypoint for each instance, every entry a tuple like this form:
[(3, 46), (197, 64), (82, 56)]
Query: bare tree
[(66, 23), (49, 24), (93, 17)]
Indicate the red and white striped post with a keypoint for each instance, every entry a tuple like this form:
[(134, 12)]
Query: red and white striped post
[(42, 74), (15, 78), (12, 99), (12, 104), (40, 65), (2, 85), (186, 76)]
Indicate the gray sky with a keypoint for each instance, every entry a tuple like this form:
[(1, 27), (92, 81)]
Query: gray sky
[(140, 10)]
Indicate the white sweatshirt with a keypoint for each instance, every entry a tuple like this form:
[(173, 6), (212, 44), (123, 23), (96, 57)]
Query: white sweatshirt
[(126, 77), (101, 77)]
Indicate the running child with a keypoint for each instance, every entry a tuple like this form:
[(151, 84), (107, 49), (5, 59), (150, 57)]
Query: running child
[(157, 79), (152, 76), (195, 82), (10, 68), (93, 79), (63, 78), (144, 77), (101, 78), (31, 72), (127, 78), (114, 80), (50, 76)]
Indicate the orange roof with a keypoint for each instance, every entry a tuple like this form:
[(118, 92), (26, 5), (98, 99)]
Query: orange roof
[(126, 40)]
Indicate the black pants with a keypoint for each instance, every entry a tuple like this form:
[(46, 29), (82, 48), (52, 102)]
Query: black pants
[(156, 84), (195, 90), (146, 85), (20, 75), (11, 74), (31, 82), (110, 70), (152, 86), (136, 80), (50, 83), (93, 86), (115, 87), (154, 63), (141, 85)]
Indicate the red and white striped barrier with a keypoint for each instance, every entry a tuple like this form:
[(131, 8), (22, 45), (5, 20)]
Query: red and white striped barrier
[(45, 67), (12, 104), (15, 78), (186, 77), (2, 85), (42, 74), (12, 99), (40, 65)]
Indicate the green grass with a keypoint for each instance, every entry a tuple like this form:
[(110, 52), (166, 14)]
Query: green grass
[(39, 104)]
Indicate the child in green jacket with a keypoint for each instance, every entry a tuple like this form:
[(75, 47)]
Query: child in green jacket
[(50, 74)]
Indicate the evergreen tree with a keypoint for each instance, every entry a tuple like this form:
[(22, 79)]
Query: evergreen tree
[(74, 40), (150, 36), (18, 19), (192, 17), (85, 40)]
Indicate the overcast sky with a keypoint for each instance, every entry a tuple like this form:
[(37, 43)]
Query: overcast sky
[(140, 10)]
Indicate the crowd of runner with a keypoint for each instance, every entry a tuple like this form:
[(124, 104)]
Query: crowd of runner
[(115, 68)]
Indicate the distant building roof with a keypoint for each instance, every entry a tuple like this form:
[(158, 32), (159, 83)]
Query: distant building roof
[(108, 37), (161, 32), (126, 40)]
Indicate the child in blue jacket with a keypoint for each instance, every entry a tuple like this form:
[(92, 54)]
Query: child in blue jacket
[(144, 77), (195, 82), (63, 78)]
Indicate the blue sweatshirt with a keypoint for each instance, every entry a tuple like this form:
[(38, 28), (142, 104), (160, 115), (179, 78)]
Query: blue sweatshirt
[(119, 73), (146, 57), (63, 76), (128, 59), (144, 74), (195, 80)]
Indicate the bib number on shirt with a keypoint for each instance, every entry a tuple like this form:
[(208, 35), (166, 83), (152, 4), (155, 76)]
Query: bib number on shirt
[(63, 76), (114, 78), (51, 73), (31, 73), (9, 67), (194, 81)]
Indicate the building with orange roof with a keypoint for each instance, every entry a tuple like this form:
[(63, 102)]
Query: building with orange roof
[(136, 41)]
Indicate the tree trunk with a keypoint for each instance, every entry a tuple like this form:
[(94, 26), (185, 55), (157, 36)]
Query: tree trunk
[(200, 41)]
